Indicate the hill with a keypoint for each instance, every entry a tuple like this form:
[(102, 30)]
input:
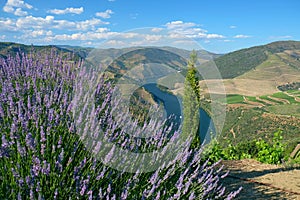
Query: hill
[(262, 95), (237, 63), (10, 48), (144, 56), (259, 70), (107, 56)]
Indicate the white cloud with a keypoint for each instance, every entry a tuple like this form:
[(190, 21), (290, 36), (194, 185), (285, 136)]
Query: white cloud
[(67, 11), (111, 0), (20, 12), (7, 24), (232, 27), (102, 34), (179, 25), (8, 9), (106, 14), (18, 4), (35, 22), (156, 30), (242, 36), (153, 38), (176, 36), (49, 22), (115, 43), (180, 30), (41, 32), (214, 36), (15, 7), (87, 36), (36, 33), (89, 24)]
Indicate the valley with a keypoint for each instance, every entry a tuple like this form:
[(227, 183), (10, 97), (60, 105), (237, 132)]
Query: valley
[(261, 95)]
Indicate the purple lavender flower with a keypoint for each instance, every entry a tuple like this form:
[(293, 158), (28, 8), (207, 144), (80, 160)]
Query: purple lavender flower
[(19, 196), (90, 193), (46, 168), (59, 142), (124, 194), (234, 194), (109, 156), (45, 81), (31, 194), (100, 193), (43, 136), (21, 149), (43, 148), (154, 177), (30, 141), (1, 112), (4, 143), (36, 167), (108, 189), (192, 196), (55, 194), (82, 191)]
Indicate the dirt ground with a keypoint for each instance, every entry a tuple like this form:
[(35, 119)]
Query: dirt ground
[(263, 181)]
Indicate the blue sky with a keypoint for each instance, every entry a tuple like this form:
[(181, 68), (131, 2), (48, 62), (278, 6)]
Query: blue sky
[(218, 26)]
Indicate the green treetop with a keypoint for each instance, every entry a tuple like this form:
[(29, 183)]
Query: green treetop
[(191, 102)]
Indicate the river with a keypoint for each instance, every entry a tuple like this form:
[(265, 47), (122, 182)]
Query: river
[(173, 106)]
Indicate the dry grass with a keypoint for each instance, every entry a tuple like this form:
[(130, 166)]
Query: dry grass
[(262, 80), (247, 87)]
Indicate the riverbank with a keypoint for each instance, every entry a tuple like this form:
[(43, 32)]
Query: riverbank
[(173, 107)]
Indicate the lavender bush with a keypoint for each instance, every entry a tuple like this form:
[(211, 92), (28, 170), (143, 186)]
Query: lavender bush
[(42, 156)]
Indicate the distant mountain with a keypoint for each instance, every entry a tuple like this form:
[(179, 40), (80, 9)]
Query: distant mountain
[(153, 56), (202, 54), (237, 63), (120, 61), (277, 62), (258, 70), (83, 52), (10, 48), (108, 55)]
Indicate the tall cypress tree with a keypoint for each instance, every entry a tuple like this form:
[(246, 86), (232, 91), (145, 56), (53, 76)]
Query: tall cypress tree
[(191, 102)]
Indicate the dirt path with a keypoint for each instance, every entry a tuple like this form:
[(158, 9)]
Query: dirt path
[(285, 101), (253, 103), (295, 97), (266, 101), (263, 181)]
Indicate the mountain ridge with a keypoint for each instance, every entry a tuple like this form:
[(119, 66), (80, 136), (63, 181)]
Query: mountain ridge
[(237, 63), (234, 65)]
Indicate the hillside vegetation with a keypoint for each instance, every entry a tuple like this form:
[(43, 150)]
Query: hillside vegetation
[(237, 63), (10, 48), (258, 70)]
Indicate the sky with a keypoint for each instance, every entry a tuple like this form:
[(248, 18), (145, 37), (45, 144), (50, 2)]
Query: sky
[(218, 26)]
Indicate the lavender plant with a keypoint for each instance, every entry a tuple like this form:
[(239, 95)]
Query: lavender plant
[(42, 156)]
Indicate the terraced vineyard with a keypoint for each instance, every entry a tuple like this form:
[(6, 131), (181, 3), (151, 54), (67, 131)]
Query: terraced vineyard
[(252, 117), (282, 103)]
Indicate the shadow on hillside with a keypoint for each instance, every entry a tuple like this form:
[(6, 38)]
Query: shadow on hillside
[(254, 174), (253, 190)]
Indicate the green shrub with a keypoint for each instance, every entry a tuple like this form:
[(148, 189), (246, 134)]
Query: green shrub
[(271, 153)]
